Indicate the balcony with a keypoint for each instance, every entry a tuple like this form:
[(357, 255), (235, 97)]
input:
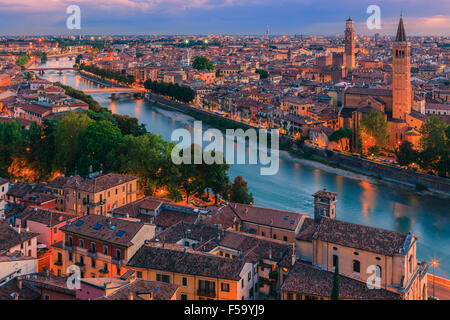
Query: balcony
[(93, 204), (102, 270), (209, 293), (116, 261), (58, 263)]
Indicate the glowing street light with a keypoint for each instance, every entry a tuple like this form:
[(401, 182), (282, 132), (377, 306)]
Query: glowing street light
[(434, 263)]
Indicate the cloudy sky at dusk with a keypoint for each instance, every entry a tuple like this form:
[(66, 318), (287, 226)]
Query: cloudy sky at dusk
[(42, 17)]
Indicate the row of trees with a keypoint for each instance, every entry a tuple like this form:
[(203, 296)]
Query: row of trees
[(109, 74), (181, 93), (263, 74), (79, 143)]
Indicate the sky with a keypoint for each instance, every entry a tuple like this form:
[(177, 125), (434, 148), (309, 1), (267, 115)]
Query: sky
[(288, 17)]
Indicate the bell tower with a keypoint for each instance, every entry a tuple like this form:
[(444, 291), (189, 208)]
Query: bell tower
[(401, 74), (324, 205), (349, 58)]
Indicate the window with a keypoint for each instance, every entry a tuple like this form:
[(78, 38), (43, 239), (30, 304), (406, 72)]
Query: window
[(379, 272), (335, 249), (225, 287), (163, 278), (93, 248), (186, 243), (47, 297), (105, 250), (356, 253), (118, 270), (242, 283), (81, 243), (263, 233), (249, 276), (274, 236), (118, 254), (55, 230), (356, 266), (183, 297), (70, 241), (117, 191), (284, 238), (184, 281), (335, 261), (92, 263), (139, 274), (70, 256)]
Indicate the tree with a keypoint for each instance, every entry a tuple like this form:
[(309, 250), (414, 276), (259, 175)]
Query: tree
[(335, 289), (239, 192), (434, 134), (263, 74), (97, 147), (374, 130), (202, 63), (406, 154), (340, 136), (66, 140), (434, 141)]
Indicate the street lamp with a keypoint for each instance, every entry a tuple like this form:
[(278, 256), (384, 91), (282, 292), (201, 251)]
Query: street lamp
[(434, 263)]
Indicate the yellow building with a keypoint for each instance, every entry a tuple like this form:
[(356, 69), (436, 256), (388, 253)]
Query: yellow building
[(99, 194), (201, 276)]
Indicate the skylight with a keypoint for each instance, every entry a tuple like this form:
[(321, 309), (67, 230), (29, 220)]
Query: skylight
[(79, 223), (98, 226), (120, 233)]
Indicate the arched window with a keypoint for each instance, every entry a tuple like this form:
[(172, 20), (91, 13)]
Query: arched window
[(335, 260), (379, 272), (356, 266)]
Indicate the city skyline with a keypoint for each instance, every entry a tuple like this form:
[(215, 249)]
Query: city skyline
[(174, 17)]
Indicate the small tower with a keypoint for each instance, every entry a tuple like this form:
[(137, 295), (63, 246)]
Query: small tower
[(324, 205)]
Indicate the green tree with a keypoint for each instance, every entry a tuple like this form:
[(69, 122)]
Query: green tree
[(202, 63), (97, 147), (66, 140), (238, 192), (263, 74), (335, 289), (340, 135), (406, 154), (434, 141), (373, 126)]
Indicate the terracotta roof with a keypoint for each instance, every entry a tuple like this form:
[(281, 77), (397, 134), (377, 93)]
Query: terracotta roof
[(306, 231), (252, 247), (361, 237), (325, 194), (104, 229), (265, 216), (10, 237), (306, 279), (99, 183), (173, 258), (45, 216), (139, 288)]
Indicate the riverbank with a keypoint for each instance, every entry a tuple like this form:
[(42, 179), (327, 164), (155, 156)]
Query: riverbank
[(340, 164)]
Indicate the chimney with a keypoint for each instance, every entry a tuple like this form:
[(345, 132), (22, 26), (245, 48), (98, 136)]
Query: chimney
[(293, 254), (19, 283)]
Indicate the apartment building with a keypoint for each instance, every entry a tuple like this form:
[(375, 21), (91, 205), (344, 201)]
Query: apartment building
[(98, 194), (100, 246), (201, 276)]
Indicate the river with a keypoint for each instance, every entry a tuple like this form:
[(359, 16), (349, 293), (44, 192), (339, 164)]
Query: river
[(359, 201)]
